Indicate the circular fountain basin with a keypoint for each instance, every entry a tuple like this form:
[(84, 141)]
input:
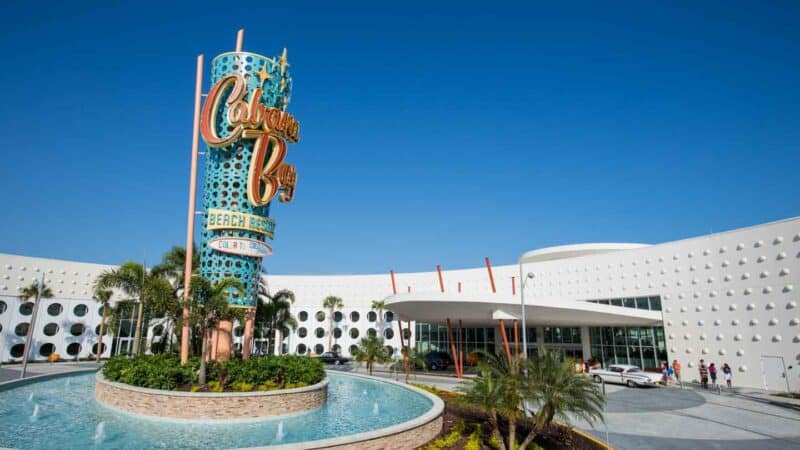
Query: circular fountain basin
[(208, 405), (360, 412)]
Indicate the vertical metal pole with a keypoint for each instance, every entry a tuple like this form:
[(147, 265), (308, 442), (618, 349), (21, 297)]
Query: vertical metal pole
[(31, 327), (187, 265), (239, 40), (603, 381), (522, 282)]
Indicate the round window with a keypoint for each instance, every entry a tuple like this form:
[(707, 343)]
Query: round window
[(354, 316), (97, 330), (303, 316), (158, 330), (371, 316), (54, 309), (319, 349), (301, 349), (100, 311), (389, 350), (76, 329), (338, 316), (320, 316), (302, 332), (372, 333), (389, 316), (354, 333), (353, 349), (51, 329), (337, 333), (26, 308), (81, 310), (3, 307), (21, 329), (73, 349), (319, 332), (17, 350), (388, 333), (238, 331), (102, 349), (47, 349), (337, 348)]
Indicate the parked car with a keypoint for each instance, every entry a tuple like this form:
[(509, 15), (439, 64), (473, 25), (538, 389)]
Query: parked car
[(438, 360), (632, 376), (332, 358)]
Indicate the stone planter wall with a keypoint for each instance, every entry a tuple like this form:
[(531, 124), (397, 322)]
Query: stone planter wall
[(207, 405)]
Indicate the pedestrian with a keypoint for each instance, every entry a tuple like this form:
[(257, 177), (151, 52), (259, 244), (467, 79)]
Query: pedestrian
[(676, 367), (670, 372), (727, 374), (703, 374), (712, 371), (664, 373)]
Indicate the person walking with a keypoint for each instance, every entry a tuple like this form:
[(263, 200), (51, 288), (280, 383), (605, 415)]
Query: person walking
[(712, 371), (703, 374), (676, 367), (727, 374), (664, 373)]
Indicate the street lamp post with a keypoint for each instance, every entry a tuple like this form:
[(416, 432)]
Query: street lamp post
[(523, 282)]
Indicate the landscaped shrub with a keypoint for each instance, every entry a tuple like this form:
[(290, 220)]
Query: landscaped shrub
[(261, 373)]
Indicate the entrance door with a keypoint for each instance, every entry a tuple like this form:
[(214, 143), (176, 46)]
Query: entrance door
[(774, 373)]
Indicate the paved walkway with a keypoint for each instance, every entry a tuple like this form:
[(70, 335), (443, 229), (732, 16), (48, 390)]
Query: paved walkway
[(11, 372)]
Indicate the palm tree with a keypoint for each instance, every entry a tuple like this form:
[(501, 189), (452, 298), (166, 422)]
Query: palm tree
[(171, 268), (32, 291), (331, 303), (29, 292), (413, 359), (274, 311), (488, 392), (559, 392), (151, 291), (377, 306), (371, 350), (210, 307), (102, 296)]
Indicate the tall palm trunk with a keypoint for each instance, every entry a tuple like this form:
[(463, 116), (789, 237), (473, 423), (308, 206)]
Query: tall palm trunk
[(496, 429), (102, 332), (512, 433), (330, 331), (138, 332), (204, 349)]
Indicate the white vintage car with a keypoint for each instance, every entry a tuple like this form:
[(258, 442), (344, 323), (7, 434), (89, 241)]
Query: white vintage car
[(625, 374)]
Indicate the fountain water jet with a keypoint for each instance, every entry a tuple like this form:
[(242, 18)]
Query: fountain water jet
[(100, 432), (375, 408), (35, 413), (280, 434)]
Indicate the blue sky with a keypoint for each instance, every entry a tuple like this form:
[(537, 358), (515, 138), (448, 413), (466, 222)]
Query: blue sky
[(432, 133)]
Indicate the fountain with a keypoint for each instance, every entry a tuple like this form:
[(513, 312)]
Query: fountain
[(100, 432), (30, 397), (375, 409), (35, 414), (279, 434)]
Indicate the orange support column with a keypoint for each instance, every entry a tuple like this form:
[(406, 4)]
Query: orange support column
[(453, 348), (394, 285), (461, 347), (513, 285), (491, 275), (505, 339), (441, 280), (247, 342)]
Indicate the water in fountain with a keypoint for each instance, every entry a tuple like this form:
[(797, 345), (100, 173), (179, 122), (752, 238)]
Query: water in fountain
[(280, 434), (100, 432), (364, 392), (35, 414), (375, 408), (30, 397), (68, 381)]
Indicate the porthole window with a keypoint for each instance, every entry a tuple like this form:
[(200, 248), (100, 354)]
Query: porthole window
[(337, 333), (47, 349), (81, 310), (353, 349), (21, 329), (337, 348), (319, 332), (389, 316), (389, 350), (17, 350), (26, 308), (388, 333), (100, 311), (238, 331), (320, 316), (301, 349), (97, 330), (102, 349), (303, 316), (3, 307), (354, 333), (372, 333), (51, 329), (371, 316), (73, 349), (302, 332), (319, 349), (1, 327), (406, 333), (354, 316), (54, 309), (158, 330), (76, 329), (338, 316)]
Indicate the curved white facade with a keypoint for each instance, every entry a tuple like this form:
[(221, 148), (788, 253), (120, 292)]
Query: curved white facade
[(727, 297)]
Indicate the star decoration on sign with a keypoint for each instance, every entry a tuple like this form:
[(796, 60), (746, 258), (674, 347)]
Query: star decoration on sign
[(284, 62), (263, 74)]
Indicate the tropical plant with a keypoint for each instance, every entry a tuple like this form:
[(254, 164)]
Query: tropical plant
[(171, 268), (32, 291), (377, 306), (274, 313), (559, 392), (332, 303), (102, 296), (210, 307), (141, 286), (371, 350), (411, 360)]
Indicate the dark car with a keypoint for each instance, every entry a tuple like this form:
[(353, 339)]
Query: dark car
[(438, 360), (332, 358)]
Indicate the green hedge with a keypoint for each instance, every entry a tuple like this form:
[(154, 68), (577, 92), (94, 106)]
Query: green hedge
[(258, 373)]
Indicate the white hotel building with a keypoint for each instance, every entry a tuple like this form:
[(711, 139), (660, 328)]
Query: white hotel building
[(727, 297)]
